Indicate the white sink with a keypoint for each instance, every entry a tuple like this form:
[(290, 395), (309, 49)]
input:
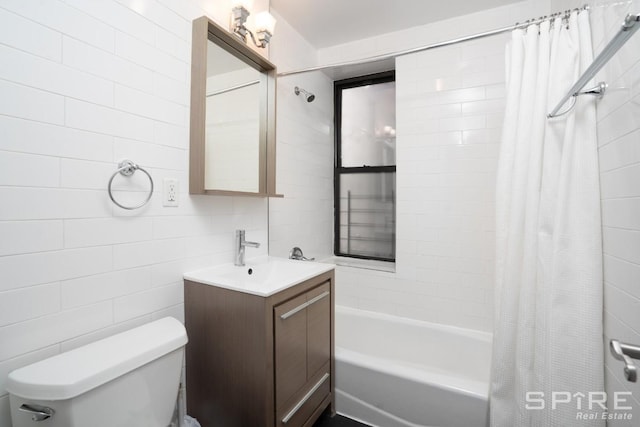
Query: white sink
[(262, 276)]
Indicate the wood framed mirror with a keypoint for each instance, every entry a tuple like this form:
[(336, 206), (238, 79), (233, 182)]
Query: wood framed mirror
[(232, 128)]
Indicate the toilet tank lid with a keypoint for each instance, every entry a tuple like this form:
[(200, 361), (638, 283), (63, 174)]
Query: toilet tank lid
[(70, 374)]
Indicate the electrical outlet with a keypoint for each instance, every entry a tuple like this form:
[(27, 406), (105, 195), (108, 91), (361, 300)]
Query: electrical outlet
[(170, 194)]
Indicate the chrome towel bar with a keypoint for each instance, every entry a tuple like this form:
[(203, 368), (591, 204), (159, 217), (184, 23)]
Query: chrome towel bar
[(127, 168)]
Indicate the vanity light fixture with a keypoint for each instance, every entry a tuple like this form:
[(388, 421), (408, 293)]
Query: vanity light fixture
[(264, 22)]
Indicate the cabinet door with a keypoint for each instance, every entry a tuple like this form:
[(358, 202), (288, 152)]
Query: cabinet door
[(318, 328), (290, 324), (302, 355)]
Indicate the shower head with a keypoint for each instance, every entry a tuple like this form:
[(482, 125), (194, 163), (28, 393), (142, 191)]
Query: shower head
[(307, 95)]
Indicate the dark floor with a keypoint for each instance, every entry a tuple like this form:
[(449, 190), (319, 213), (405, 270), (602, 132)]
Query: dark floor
[(337, 421)]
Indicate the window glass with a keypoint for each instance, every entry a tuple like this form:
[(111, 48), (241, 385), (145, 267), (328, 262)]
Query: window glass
[(367, 214), (368, 125), (365, 174)]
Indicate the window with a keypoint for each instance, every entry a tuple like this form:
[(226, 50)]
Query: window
[(365, 173)]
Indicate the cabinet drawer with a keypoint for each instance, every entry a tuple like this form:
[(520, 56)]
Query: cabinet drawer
[(312, 395)]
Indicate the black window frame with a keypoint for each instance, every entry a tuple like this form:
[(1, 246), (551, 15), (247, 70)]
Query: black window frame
[(338, 87)]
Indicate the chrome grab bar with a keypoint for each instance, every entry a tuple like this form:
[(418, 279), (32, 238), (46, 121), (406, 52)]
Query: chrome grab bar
[(626, 352), (304, 399), (38, 413), (303, 305)]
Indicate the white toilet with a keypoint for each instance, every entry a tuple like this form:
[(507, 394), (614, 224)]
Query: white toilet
[(129, 379)]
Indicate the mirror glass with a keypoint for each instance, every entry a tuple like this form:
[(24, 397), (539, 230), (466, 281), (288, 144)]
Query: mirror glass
[(232, 127), (232, 148)]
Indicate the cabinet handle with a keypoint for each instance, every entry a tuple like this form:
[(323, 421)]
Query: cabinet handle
[(304, 399), (303, 305), (318, 298)]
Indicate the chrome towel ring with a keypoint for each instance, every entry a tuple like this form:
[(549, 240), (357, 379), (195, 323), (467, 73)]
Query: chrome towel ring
[(128, 168)]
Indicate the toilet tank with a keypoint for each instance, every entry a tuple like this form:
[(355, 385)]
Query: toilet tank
[(129, 379)]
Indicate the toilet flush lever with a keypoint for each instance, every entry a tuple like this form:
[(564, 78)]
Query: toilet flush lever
[(38, 413), (626, 352)]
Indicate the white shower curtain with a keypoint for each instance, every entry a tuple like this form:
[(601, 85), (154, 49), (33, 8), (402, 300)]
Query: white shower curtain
[(548, 328)]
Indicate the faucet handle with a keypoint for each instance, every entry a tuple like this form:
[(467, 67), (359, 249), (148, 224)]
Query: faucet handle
[(240, 240), (296, 253)]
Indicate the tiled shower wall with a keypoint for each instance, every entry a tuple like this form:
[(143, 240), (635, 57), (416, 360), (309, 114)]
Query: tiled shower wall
[(619, 154), (85, 84), (304, 217), (449, 107), (449, 113)]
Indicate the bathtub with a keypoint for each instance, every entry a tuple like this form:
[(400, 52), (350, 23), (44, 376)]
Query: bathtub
[(396, 372)]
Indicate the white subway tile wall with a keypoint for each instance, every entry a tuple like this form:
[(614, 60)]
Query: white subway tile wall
[(449, 104), (449, 117), (85, 84), (447, 201), (304, 217), (619, 155)]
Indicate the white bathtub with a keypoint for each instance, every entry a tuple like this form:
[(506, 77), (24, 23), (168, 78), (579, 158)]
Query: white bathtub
[(396, 372)]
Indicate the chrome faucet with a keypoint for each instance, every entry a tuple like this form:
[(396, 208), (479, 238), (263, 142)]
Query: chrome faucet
[(240, 245)]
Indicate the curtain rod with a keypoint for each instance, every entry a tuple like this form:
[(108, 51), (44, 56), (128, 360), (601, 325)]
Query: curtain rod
[(627, 29), (394, 55)]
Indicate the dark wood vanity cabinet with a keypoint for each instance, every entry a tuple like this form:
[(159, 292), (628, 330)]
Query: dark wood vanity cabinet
[(255, 361)]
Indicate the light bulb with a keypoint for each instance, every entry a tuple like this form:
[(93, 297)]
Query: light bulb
[(264, 21)]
